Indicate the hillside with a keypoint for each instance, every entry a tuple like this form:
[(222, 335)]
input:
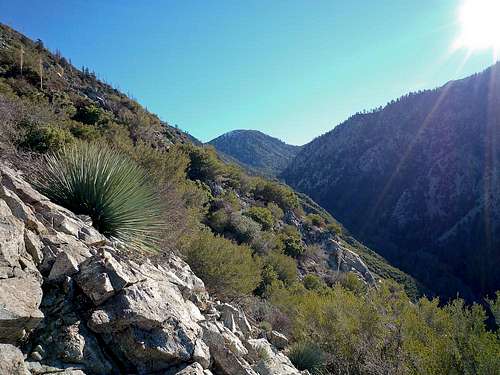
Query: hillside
[(256, 151), (79, 100), (418, 182)]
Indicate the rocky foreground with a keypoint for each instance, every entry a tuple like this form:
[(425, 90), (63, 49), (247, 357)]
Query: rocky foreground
[(72, 303)]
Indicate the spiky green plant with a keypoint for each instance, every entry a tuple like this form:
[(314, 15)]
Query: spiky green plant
[(103, 183), (307, 356)]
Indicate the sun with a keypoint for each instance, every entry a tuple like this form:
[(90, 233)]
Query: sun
[(480, 25)]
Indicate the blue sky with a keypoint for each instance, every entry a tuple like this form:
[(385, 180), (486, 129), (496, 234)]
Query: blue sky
[(292, 69)]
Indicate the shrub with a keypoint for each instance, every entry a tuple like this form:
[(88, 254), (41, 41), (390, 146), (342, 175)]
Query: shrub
[(315, 220), (262, 353), (242, 228), (351, 282), (226, 268), (276, 211), (292, 241), (284, 267), (307, 356), (218, 220), (96, 180), (261, 215), (313, 282), (494, 306), (334, 228), (282, 195), (230, 197), (268, 277), (168, 167), (266, 242), (204, 164), (265, 326), (90, 114), (84, 132), (47, 138)]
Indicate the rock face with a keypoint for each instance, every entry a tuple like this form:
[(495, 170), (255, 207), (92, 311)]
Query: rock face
[(70, 303)]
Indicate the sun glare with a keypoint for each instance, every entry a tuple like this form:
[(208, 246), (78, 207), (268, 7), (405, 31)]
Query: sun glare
[(480, 25)]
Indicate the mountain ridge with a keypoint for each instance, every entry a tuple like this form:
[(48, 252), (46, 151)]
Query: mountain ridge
[(256, 151), (414, 178)]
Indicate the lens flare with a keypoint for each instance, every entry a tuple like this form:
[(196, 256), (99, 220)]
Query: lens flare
[(480, 25)]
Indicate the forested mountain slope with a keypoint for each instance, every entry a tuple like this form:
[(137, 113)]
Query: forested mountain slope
[(256, 151), (419, 181)]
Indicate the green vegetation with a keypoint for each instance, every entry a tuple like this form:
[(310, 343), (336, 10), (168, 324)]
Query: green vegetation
[(313, 282), (292, 241), (380, 331), (204, 164), (284, 267), (494, 305), (307, 356), (315, 220), (261, 215), (106, 185), (227, 269), (282, 195), (46, 138)]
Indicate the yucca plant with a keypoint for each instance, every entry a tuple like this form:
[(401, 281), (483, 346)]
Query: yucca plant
[(96, 180), (307, 356)]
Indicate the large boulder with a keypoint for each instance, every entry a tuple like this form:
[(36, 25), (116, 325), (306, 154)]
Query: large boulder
[(20, 290), (149, 325)]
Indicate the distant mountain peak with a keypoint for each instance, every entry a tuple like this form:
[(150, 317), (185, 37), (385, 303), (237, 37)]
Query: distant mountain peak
[(256, 151)]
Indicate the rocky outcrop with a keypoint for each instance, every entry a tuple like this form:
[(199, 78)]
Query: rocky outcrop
[(71, 303), (336, 256)]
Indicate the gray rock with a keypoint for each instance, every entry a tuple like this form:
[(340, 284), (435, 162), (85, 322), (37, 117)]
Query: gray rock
[(194, 369), (234, 319), (347, 260), (91, 236), (201, 354), (75, 344), (271, 362), (36, 356), (20, 210), (277, 339), (226, 349), (101, 276), (64, 265), (12, 361), (19, 302), (150, 324), (144, 318), (59, 242), (179, 273), (11, 241), (13, 181), (33, 246)]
